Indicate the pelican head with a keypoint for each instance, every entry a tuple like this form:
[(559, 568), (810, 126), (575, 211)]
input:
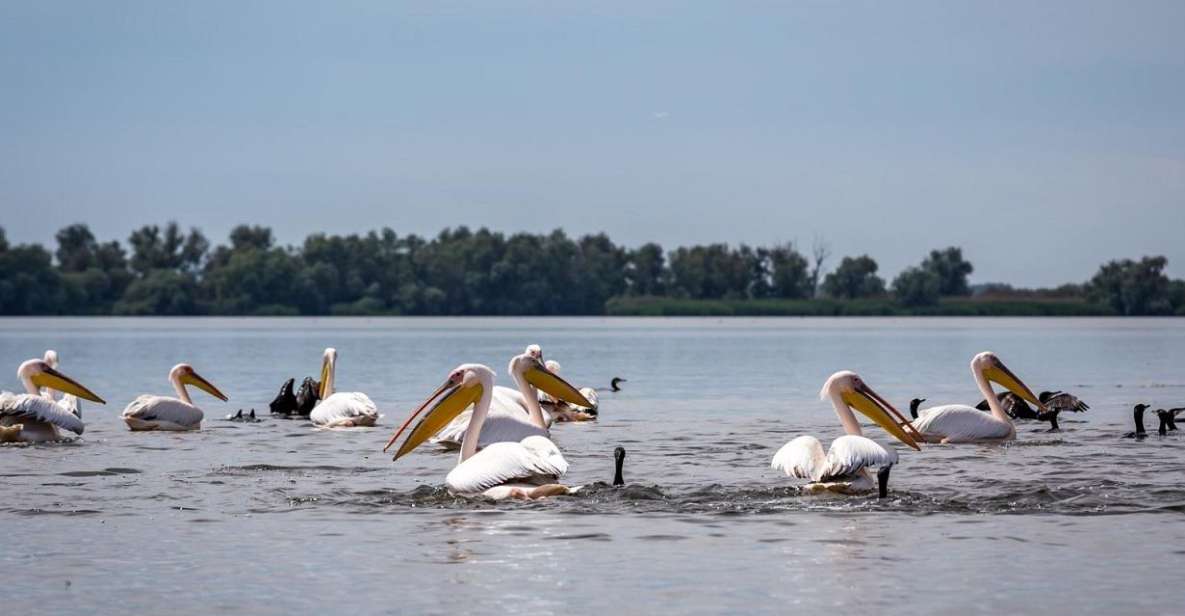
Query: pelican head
[(328, 368), (857, 395), (186, 375), (38, 373), (465, 385), (535, 351), (51, 358), (992, 369), (553, 365), (531, 369)]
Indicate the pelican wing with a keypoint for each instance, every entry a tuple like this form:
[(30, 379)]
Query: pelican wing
[(163, 409), (27, 407), (345, 407), (957, 422), (534, 460), (851, 453), (802, 457)]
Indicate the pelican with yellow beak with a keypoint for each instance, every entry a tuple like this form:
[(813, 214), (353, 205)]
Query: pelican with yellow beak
[(959, 423), (34, 417), (844, 467), (527, 469), (514, 413), (149, 412), (343, 409)]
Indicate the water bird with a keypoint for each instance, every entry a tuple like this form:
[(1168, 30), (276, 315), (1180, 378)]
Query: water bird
[(342, 409), (1054, 401), (1166, 422), (527, 469), (149, 412), (32, 416), (913, 406), (241, 418), (562, 412), (1170, 417), (844, 467), (1138, 417), (618, 462), (285, 401), (959, 423), (515, 413), (307, 396), (68, 402), (614, 384)]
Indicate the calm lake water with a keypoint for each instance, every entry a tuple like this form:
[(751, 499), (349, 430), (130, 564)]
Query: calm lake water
[(280, 518)]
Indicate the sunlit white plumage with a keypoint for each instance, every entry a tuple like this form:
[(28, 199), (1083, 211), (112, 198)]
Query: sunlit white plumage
[(152, 412), (40, 418), (343, 409), (804, 458), (533, 461), (844, 466), (960, 423), (526, 468), (34, 416), (509, 417)]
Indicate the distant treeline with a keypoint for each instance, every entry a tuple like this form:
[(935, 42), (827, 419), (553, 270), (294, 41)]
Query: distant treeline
[(169, 271)]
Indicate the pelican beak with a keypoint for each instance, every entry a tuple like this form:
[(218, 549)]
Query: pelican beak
[(195, 379), (326, 368), (551, 384), (53, 379), (1000, 374), (873, 406), (446, 403)]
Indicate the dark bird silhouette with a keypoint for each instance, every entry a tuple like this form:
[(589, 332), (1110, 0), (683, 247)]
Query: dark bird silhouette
[(240, 417), (308, 396), (882, 480), (614, 384), (913, 406), (1055, 402), (1138, 416), (619, 461), (285, 402)]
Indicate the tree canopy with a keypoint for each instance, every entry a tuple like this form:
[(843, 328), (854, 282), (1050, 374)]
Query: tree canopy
[(165, 270)]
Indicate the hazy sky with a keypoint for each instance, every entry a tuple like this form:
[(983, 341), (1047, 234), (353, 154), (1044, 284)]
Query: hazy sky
[(1043, 139)]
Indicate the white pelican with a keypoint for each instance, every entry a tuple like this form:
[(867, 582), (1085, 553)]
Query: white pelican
[(149, 412), (959, 423), (343, 409), (514, 413), (562, 411), (527, 468), (844, 467), (33, 417)]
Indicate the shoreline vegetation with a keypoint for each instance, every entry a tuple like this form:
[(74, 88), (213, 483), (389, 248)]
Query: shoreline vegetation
[(167, 271)]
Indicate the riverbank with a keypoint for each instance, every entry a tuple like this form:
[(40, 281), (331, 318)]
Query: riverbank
[(949, 306)]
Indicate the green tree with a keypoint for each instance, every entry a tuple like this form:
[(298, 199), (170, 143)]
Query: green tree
[(916, 287), (645, 271), (1133, 287), (789, 273), (951, 270), (29, 284), (171, 249), (854, 278), (161, 292)]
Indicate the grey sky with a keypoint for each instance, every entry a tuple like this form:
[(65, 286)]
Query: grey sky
[(1043, 139)]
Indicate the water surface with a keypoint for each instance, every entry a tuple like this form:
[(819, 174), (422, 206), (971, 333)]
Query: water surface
[(280, 518)]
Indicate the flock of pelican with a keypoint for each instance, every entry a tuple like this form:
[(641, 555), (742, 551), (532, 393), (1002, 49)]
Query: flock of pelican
[(503, 433)]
